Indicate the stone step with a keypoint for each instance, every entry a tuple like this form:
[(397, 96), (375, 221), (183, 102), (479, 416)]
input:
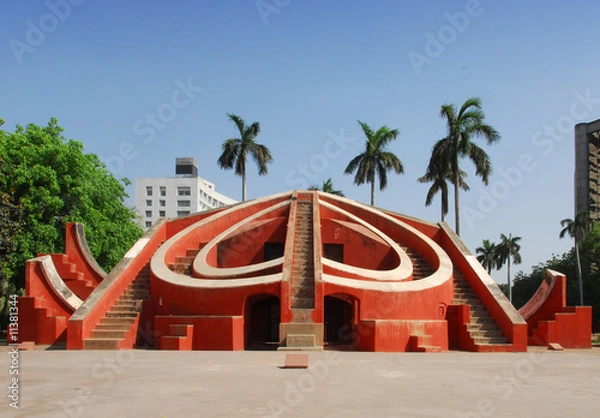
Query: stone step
[(122, 314), (192, 252), (486, 333), (490, 341), (114, 326), (482, 320), (184, 260), (181, 268), (136, 296), (303, 303), (112, 320), (303, 291), (109, 333), (102, 343), (477, 309), (300, 340), (488, 326), (466, 301), (125, 304)]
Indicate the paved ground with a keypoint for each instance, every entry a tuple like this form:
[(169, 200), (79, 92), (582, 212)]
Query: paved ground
[(337, 384)]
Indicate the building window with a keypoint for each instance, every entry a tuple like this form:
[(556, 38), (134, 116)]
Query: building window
[(183, 212), (148, 202), (148, 224), (148, 214), (163, 191), (184, 191), (162, 213), (162, 203), (184, 203), (148, 190)]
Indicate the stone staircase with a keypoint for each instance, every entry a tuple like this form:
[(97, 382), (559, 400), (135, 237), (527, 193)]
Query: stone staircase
[(74, 279), (118, 327), (302, 333), (421, 268), (183, 264), (482, 329), (302, 280)]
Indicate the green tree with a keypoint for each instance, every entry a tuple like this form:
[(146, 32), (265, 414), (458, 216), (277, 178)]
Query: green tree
[(525, 285), (462, 127), (236, 151), (508, 250), (375, 160), (488, 255), (327, 187), (438, 172), (46, 181), (577, 229)]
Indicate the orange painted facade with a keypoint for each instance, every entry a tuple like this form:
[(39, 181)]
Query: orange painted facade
[(293, 271)]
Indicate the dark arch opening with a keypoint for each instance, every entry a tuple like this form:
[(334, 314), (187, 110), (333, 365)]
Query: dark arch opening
[(341, 316), (262, 318)]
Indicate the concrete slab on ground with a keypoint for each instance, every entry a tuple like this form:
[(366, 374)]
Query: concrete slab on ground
[(540, 383)]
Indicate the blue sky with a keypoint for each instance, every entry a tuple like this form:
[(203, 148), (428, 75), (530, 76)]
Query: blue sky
[(307, 70)]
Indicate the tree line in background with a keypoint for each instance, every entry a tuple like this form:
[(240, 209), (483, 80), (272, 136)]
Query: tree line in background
[(580, 265), (46, 181), (525, 285), (462, 126)]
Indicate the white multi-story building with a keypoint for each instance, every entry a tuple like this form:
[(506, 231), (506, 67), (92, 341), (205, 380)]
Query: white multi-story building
[(176, 196)]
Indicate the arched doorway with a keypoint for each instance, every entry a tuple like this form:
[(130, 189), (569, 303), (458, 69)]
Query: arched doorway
[(262, 318), (341, 312)]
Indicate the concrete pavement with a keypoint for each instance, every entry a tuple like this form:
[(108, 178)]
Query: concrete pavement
[(150, 383)]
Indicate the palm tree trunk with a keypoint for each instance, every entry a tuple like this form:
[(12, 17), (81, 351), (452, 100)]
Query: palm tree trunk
[(579, 273), (243, 187), (508, 280), (373, 193), (442, 211), (457, 201)]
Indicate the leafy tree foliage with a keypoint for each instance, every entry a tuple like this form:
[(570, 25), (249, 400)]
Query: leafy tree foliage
[(577, 229), (439, 173), (236, 151), (488, 255), (525, 285), (464, 125), (508, 249), (327, 187), (46, 180), (375, 161)]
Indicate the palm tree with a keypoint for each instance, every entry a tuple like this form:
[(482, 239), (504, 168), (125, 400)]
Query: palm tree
[(462, 127), (375, 159), (328, 188), (488, 255), (438, 172), (577, 229), (509, 249), (236, 150)]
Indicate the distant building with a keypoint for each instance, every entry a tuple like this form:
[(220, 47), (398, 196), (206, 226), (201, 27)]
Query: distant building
[(587, 169), (176, 196)]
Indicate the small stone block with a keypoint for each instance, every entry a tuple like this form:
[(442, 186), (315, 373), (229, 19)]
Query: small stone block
[(555, 347), (27, 346), (296, 361), (300, 340)]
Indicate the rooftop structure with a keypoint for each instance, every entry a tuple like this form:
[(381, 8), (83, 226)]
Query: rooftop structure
[(176, 196), (587, 169)]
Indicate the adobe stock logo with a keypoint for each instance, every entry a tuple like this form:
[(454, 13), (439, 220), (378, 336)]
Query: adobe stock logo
[(37, 32), (304, 174), (266, 8)]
